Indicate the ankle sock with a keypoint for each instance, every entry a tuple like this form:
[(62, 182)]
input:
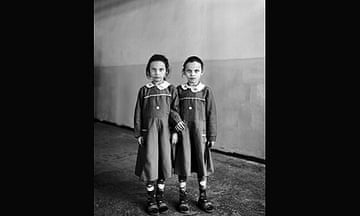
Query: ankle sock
[(202, 183)]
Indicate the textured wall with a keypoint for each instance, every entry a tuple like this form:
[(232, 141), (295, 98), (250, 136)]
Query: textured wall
[(228, 35), (128, 32)]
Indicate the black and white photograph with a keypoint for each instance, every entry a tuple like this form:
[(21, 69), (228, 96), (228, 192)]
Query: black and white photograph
[(179, 107)]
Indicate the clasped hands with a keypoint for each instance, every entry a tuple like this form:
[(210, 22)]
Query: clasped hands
[(181, 126)]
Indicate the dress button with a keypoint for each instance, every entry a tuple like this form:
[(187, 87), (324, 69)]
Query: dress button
[(190, 108), (157, 107)]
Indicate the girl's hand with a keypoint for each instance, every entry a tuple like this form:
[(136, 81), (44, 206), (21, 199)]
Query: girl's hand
[(174, 138), (180, 126), (140, 140), (210, 144)]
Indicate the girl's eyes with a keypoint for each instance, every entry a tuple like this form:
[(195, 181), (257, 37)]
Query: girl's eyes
[(161, 69)]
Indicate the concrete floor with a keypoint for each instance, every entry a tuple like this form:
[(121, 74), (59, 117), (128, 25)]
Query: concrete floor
[(236, 188)]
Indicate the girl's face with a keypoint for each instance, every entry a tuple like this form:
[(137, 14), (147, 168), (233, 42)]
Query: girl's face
[(193, 72), (157, 71)]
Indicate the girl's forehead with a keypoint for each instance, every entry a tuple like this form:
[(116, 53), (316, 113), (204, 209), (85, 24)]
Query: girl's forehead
[(157, 64), (193, 65)]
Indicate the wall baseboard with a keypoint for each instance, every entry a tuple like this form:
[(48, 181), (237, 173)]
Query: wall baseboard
[(241, 156), (233, 154)]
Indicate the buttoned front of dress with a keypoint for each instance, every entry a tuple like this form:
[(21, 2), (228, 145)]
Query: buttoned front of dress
[(156, 104), (151, 121), (197, 109)]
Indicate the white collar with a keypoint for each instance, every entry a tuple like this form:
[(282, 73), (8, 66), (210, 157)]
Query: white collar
[(197, 88), (161, 86)]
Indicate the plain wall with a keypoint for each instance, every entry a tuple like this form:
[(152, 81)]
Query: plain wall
[(228, 35)]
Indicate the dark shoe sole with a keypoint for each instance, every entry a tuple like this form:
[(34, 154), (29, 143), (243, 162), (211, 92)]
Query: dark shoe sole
[(163, 209), (153, 210), (201, 206), (184, 211), (153, 213)]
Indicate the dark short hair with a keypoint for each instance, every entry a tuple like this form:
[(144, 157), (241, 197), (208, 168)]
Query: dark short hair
[(157, 57), (193, 59)]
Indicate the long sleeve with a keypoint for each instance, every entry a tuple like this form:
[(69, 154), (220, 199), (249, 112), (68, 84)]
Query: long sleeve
[(174, 107), (211, 121), (138, 115)]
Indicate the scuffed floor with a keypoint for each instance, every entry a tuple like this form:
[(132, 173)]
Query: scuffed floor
[(236, 188)]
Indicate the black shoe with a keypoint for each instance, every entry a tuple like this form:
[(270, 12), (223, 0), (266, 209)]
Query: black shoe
[(204, 204), (161, 201), (152, 207), (184, 203)]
